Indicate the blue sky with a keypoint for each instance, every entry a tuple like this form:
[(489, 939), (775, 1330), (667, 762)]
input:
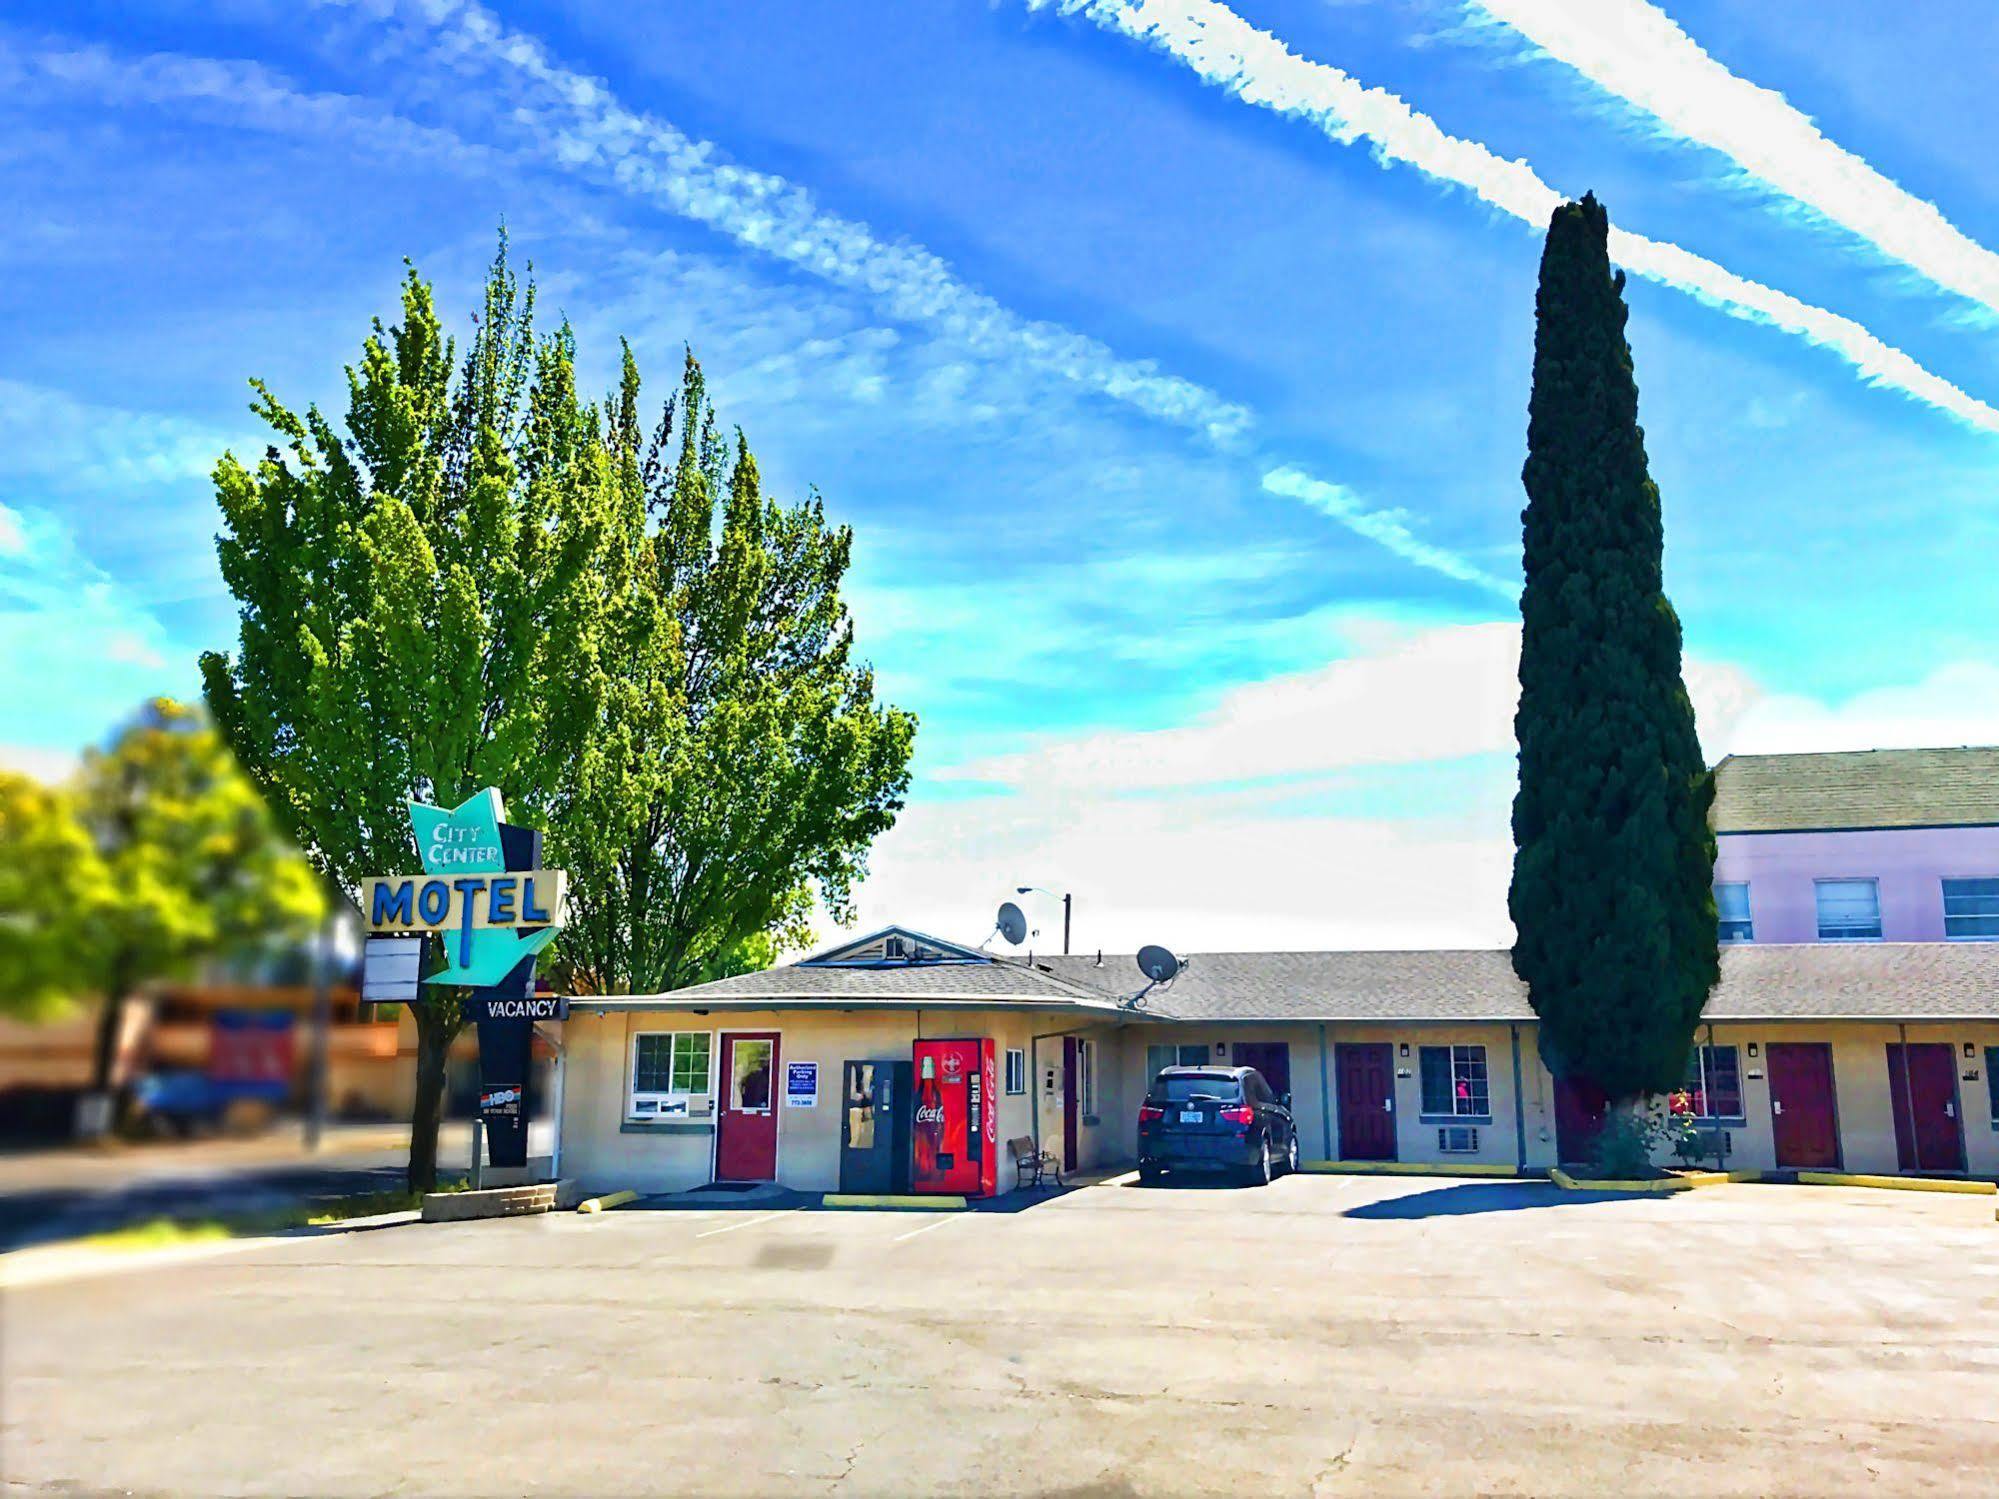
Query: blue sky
[(1181, 432)]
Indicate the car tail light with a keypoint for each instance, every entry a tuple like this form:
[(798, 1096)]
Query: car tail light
[(1240, 1115), (1147, 1113)]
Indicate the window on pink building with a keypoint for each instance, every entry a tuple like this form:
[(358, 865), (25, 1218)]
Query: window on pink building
[(1731, 902), (1849, 911)]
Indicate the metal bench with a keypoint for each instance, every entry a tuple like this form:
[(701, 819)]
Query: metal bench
[(1033, 1167)]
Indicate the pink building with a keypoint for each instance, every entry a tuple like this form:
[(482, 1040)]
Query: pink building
[(1867, 846)]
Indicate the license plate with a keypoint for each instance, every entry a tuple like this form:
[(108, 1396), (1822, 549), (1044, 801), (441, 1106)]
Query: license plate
[(1190, 1116)]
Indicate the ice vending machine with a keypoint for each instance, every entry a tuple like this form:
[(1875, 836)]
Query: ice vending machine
[(874, 1127), (954, 1134)]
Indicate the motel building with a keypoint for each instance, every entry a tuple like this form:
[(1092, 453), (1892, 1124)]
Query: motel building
[(1426, 1058), (1855, 1027)]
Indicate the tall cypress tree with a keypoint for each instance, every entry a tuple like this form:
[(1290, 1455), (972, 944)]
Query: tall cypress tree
[(1613, 868)]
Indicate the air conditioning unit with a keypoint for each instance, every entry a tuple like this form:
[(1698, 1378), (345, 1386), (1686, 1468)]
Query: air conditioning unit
[(1714, 1143), (1458, 1139)]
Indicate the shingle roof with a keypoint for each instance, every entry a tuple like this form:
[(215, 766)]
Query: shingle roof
[(1858, 789), (1000, 981), (1456, 984), (1806, 981), (1858, 981)]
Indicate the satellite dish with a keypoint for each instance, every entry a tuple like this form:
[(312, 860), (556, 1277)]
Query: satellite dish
[(1012, 923), (1157, 964)]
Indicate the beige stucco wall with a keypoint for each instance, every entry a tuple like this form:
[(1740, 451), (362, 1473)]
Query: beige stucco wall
[(1316, 1105), (1861, 1090), (604, 1154), (599, 1150)]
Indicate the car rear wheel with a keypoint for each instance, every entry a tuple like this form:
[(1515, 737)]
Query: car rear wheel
[(1148, 1175), (1262, 1171)]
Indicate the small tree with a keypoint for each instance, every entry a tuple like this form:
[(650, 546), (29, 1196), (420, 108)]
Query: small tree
[(158, 855), (1612, 896)]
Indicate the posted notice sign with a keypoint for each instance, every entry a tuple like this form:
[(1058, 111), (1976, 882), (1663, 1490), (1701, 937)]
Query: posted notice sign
[(801, 1085)]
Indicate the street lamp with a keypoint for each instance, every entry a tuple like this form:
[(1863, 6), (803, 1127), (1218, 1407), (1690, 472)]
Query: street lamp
[(1066, 902)]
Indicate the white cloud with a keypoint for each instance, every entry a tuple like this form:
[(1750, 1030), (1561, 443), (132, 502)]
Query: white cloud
[(47, 765), (1406, 697), (51, 434), (1255, 66), (77, 652), (577, 121), (1388, 528), (1634, 50), (13, 538), (1955, 703)]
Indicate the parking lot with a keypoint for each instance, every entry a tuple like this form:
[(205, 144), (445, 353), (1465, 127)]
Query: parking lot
[(1329, 1334)]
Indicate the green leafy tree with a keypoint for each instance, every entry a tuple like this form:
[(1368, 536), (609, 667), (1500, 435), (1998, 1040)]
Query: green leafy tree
[(746, 766), (158, 855), (485, 580), (421, 600), (1612, 894)]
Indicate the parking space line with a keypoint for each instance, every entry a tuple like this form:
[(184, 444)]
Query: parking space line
[(729, 1228), (928, 1226)]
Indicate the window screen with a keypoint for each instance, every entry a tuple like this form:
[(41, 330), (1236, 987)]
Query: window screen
[(1971, 909), (1849, 910), (1731, 903)]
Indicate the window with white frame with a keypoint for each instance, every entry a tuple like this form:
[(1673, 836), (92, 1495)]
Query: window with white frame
[(1713, 1083), (1454, 1082), (1849, 910), (1971, 910), (1016, 1070), (672, 1074), (1086, 1077), (1731, 904)]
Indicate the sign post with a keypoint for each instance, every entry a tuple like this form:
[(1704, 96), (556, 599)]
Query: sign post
[(491, 908)]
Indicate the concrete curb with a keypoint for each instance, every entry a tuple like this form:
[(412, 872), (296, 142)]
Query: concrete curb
[(44, 1264), (1407, 1168), (606, 1202), (1896, 1183), (1686, 1183), (494, 1202), (940, 1203)]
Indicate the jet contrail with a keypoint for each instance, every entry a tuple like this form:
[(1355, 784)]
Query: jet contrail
[(580, 123), (1227, 51), (1635, 51)]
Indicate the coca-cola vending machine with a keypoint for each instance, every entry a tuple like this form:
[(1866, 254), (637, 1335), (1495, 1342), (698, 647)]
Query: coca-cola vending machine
[(954, 1135)]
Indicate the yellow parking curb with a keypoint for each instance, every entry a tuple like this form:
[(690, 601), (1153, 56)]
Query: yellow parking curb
[(1405, 1168), (1896, 1183), (889, 1200), (1685, 1183), (605, 1203)]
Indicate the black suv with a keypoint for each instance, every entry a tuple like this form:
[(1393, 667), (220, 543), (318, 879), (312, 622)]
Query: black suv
[(1215, 1119)]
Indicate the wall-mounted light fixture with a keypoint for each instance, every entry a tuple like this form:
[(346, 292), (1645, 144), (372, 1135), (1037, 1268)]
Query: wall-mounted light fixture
[(1404, 1053), (1752, 1048), (1970, 1051)]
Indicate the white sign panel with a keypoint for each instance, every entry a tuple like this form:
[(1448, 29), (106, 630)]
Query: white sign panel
[(390, 967)]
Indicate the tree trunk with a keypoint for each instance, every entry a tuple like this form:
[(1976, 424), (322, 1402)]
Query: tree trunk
[(434, 1033)]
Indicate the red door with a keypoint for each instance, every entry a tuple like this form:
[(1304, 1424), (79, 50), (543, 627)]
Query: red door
[(1804, 1119), (1579, 1106), (1365, 1074), (746, 1123), (1922, 1085), (1069, 1101), (1270, 1058)]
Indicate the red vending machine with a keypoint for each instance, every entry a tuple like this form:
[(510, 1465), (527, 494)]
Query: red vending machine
[(954, 1139)]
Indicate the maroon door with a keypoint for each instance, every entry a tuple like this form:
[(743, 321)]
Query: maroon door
[(1922, 1085), (1579, 1106), (1804, 1118), (1365, 1080), (1069, 1102), (1270, 1058), (746, 1122)]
